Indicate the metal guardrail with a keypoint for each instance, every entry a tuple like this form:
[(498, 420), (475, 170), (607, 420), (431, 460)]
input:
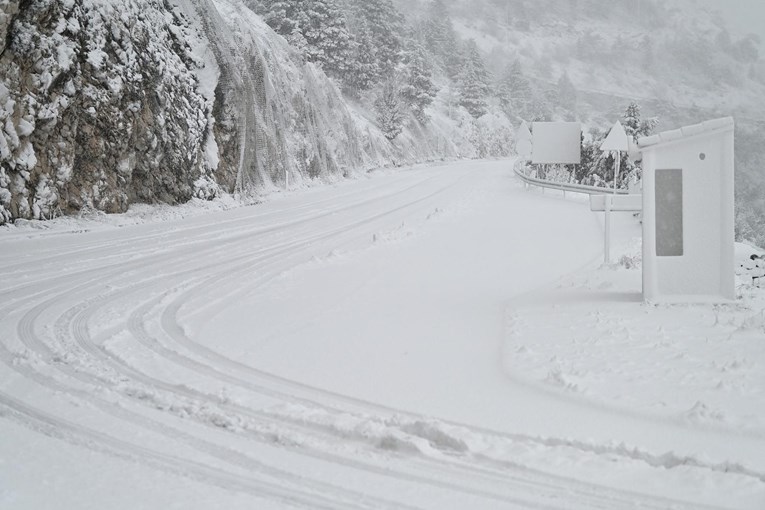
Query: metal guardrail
[(562, 186), (608, 201)]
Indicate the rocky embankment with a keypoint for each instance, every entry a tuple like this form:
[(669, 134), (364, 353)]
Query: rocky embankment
[(104, 103)]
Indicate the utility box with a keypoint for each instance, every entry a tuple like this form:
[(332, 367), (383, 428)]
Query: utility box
[(688, 214)]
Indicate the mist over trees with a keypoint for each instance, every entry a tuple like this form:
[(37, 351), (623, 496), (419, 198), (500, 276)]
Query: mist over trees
[(544, 60)]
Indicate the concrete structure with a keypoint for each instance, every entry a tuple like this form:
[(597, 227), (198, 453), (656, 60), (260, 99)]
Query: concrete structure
[(688, 214)]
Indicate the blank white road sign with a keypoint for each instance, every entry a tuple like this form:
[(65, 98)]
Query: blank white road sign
[(557, 142)]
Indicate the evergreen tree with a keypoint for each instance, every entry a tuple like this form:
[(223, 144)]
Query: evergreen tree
[(385, 24), (514, 91), (418, 89), (472, 53), (315, 27), (327, 35), (631, 120), (282, 16), (566, 92), (633, 125), (441, 39), (472, 91), (539, 110), (390, 109), (364, 72)]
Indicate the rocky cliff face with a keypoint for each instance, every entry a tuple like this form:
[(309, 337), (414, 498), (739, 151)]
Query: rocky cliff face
[(104, 103), (99, 107)]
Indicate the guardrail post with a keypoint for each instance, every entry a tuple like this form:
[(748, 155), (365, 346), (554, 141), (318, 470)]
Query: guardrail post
[(607, 235)]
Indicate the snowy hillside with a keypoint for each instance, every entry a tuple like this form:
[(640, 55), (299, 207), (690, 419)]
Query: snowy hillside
[(107, 103), (586, 60), (677, 57)]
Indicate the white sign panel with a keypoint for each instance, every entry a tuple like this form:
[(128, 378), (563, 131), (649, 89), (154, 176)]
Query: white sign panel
[(617, 139), (523, 132), (557, 142)]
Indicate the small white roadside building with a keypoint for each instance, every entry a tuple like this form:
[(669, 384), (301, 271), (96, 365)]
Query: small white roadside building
[(688, 214)]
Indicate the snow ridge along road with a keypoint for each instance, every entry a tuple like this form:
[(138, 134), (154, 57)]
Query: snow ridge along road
[(337, 348)]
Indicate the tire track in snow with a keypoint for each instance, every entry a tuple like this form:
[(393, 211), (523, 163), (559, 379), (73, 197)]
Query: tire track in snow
[(26, 332), (78, 313), (293, 391), (91, 439), (212, 449), (200, 232), (26, 325)]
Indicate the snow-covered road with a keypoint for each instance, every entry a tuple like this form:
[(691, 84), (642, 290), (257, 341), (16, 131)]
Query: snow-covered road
[(342, 347)]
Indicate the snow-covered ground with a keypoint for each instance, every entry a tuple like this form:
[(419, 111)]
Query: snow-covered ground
[(437, 337)]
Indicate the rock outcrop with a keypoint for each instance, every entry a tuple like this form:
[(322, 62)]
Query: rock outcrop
[(104, 103)]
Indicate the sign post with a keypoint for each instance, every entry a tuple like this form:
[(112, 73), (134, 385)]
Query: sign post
[(616, 142)]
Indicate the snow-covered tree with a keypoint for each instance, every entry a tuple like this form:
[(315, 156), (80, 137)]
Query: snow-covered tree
[(317, 28), (440, 37), (472, 93), (282, 15), (328, 35), (364, 72), (566, 92), (385, 25), (539, 110), (389, 107), (514, 91), (418, 89), (633, 125), (474, 82)]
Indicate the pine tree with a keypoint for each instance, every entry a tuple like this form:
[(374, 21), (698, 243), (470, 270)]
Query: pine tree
[(441, 39), (633, 125), (631, 120), (282, 16), (473, 81), (385, 24), (472, 92), (317, 28), (328, 36), (566, 92), (364, 72), (514, 91), (539, 110), (418, 89), (390, 109), (472, 53)]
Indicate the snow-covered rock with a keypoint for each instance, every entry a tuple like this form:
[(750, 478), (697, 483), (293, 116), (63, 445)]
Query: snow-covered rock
[(104, 103)]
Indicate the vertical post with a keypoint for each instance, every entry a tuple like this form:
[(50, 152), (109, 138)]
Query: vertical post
[(617, 167), (607, 235)]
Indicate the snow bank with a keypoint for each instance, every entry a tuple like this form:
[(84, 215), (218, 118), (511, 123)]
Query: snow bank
[(607, 346)]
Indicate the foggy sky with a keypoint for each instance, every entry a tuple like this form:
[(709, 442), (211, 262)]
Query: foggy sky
[(743, 16)]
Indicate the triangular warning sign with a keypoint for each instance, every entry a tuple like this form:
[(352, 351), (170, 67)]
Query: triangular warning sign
[(523, 132), (617, 139)]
